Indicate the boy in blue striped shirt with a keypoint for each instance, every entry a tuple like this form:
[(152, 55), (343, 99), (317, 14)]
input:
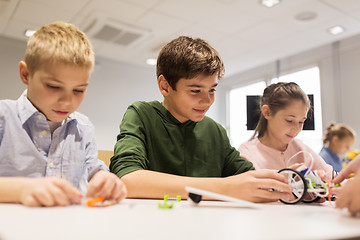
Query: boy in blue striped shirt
[(48, 155)]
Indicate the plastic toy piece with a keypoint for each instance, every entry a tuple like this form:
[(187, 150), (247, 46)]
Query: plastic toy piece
[(307, 185), (167, 204), (297, 181), (99, 202), (349, 157), (195, 196)]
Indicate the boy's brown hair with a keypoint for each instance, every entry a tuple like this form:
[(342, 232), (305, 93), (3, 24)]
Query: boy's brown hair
[(185, 57), (58, 42)]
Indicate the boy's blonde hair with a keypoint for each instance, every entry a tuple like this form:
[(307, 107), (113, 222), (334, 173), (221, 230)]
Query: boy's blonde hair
[(340, 130), (58, 42)]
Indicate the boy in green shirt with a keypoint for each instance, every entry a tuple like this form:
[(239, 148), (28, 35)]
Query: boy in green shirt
[(163, 147)]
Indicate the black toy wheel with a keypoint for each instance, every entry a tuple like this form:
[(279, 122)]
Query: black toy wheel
[(297, 181)]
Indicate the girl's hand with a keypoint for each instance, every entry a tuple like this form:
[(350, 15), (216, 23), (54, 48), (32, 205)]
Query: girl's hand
[(353, 167), (349, 196)]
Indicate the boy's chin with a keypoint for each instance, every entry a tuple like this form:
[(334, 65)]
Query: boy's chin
[(198, 119), (56, 119)]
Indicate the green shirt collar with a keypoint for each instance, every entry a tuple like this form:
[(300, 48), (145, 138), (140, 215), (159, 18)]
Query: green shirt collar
[(168, 116)]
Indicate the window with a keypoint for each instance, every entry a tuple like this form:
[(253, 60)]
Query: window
[(237, 106), (308, 80)]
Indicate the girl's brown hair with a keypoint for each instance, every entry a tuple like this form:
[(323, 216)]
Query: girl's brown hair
[(340, 130), (278, 96)]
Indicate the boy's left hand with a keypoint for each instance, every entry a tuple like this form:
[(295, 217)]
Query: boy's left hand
[(107, 185)]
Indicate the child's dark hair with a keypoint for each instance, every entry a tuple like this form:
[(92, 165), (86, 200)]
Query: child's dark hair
[(185, 57), (278, 96), (340, 130)]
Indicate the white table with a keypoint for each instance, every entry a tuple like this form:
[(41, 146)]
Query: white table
[(142, 219)]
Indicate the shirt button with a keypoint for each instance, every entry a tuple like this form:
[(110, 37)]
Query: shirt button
[(51, 165), (39, 116), (43, 132)]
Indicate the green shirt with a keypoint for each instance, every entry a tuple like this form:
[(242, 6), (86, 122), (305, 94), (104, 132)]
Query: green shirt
[(152, 139)]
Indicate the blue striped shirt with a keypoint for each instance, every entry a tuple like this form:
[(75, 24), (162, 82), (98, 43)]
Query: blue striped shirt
[(28, 149)]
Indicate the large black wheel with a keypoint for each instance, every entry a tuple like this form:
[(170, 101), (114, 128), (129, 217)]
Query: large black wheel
[(297, 181), (310, 198)]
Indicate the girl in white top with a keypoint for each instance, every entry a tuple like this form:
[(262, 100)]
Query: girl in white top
[(284, 108)]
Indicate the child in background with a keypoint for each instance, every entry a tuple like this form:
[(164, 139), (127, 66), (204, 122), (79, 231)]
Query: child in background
[(47, 150), (338, 139), (284, 108), (163, 147)]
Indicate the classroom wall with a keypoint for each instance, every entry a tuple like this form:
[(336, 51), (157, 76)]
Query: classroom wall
[(115, 85)]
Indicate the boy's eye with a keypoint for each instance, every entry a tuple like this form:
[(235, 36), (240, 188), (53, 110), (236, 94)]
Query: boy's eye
[(51, 86), (289, 121), (78, 91), (195, 91), (212, 90)]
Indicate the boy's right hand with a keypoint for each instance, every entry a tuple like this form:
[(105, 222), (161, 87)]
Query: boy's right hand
[(259, 186), (49, 191)]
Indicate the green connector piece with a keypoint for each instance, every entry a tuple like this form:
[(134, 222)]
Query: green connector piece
[(166, 205)]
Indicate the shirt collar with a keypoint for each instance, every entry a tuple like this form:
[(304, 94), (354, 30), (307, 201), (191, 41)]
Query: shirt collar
[(166, 114), (25, 108)]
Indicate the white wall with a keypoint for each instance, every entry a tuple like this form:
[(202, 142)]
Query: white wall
[(113, 87), (11, 52)]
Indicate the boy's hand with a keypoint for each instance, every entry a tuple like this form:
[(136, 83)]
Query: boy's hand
[(107, 185), (259, 186), (50, 191)]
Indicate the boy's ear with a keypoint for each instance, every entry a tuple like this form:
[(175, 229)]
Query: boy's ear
[(24, 72), (164, 86), (265, 110)]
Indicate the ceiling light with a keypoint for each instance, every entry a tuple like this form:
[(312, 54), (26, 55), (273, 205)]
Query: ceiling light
[(151, 61), (269, 3), (336, 30), (29, 32)]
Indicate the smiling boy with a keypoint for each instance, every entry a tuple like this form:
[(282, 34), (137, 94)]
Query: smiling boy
[(47, 150), (163, 147)]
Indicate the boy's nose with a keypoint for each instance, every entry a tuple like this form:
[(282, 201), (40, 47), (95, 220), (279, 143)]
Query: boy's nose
[(206, 98), (65, 98)]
